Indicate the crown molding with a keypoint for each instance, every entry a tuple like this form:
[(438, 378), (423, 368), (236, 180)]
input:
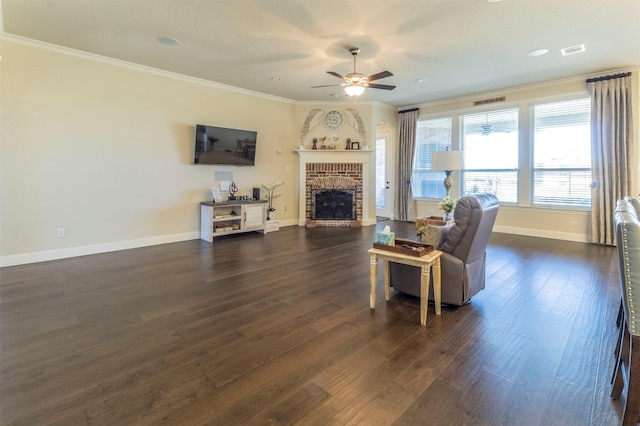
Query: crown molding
[(130, 65), (514, 89)]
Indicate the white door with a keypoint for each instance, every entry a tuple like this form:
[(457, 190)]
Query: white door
[(384, 191)]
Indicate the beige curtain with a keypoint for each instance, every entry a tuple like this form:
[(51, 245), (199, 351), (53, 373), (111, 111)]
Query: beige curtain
[(611, 152), (406, 148)]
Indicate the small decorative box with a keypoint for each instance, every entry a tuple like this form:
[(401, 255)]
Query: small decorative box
[(386, 239), (272, 225)]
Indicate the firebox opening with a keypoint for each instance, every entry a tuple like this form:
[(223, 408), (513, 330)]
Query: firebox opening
[(333, 204)]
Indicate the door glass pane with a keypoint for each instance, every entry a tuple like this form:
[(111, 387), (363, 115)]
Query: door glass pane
[(381, 178)]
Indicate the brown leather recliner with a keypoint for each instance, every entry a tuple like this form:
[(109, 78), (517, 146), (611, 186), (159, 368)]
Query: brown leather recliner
[(464, 253)]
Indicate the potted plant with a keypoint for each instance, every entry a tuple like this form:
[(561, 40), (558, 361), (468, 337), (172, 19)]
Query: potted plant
[(270, 197), (447, 205)]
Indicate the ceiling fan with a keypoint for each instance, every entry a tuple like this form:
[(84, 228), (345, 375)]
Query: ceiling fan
[(355, 83)]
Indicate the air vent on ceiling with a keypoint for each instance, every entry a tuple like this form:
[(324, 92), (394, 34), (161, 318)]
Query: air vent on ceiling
[(572, 50)]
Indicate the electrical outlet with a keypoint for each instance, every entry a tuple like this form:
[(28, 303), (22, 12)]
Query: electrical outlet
[(224, 185), (60, 232)]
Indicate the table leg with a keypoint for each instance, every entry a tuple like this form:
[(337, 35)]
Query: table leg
[(373, 278), (437, 286), (424, 293), (387, 292)]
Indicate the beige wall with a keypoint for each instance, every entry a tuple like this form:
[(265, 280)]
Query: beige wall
[(104, 150), (523, 219)]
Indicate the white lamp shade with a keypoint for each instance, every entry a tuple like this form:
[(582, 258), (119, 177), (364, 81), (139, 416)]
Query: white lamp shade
[(354, 90), (447, 160)]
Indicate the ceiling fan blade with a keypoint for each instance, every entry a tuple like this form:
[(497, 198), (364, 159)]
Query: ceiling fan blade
[(381, 86), (336, 75), (379, 75), (327, 85)]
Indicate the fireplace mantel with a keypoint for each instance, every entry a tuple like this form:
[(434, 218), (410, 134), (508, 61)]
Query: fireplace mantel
[(334, 156), (331, 156)]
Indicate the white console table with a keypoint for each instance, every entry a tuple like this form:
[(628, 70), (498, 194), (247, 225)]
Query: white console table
[(231, 217)]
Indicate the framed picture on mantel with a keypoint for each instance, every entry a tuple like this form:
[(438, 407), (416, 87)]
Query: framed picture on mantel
[(355, 145)]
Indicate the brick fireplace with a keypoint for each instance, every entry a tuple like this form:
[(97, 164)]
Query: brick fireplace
[(333, 195), (334, 188)]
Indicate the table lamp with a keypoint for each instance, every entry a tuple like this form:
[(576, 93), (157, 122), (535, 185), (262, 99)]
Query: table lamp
[(447, 161)]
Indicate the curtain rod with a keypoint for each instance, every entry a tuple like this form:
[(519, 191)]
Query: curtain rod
[(609, 77), (408, 110)]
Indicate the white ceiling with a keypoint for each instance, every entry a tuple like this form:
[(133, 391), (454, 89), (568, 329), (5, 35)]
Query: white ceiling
[(458, 47)]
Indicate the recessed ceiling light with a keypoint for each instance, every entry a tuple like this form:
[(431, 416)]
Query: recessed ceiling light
[(538, 52), (168, 41), (493, 1), (420, 80), (334, 95)]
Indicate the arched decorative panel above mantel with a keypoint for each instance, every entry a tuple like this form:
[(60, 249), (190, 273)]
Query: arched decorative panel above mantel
[(338, 122)]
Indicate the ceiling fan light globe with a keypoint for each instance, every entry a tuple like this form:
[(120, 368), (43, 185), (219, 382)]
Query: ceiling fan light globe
[(354, 91)]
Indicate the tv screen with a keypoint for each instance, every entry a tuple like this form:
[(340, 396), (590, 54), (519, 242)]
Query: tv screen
[(218, 145)]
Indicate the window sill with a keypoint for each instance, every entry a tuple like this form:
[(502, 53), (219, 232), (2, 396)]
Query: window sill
[(538, 208)]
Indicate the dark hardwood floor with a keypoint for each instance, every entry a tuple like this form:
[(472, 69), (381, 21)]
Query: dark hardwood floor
[(277, 329)]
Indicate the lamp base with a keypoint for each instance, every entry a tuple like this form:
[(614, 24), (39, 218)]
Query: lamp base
[(448, 183)]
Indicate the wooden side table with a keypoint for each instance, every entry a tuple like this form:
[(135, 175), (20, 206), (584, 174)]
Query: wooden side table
[(436, 230), (426, 263)]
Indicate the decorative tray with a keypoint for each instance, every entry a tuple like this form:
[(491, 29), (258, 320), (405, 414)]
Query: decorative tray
[(406, 247)]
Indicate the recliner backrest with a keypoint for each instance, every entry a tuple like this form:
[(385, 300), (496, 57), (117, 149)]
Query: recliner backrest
[(474, 217)]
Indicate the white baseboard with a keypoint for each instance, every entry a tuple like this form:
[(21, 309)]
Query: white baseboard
[(565, 236), (43, 256), (288, 222)]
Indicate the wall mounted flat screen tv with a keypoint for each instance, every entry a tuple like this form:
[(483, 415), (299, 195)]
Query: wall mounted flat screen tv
[(222, 146)]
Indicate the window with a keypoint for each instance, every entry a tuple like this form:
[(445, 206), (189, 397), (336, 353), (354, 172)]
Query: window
[(562, 153), (490, 145), (431, 135)]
